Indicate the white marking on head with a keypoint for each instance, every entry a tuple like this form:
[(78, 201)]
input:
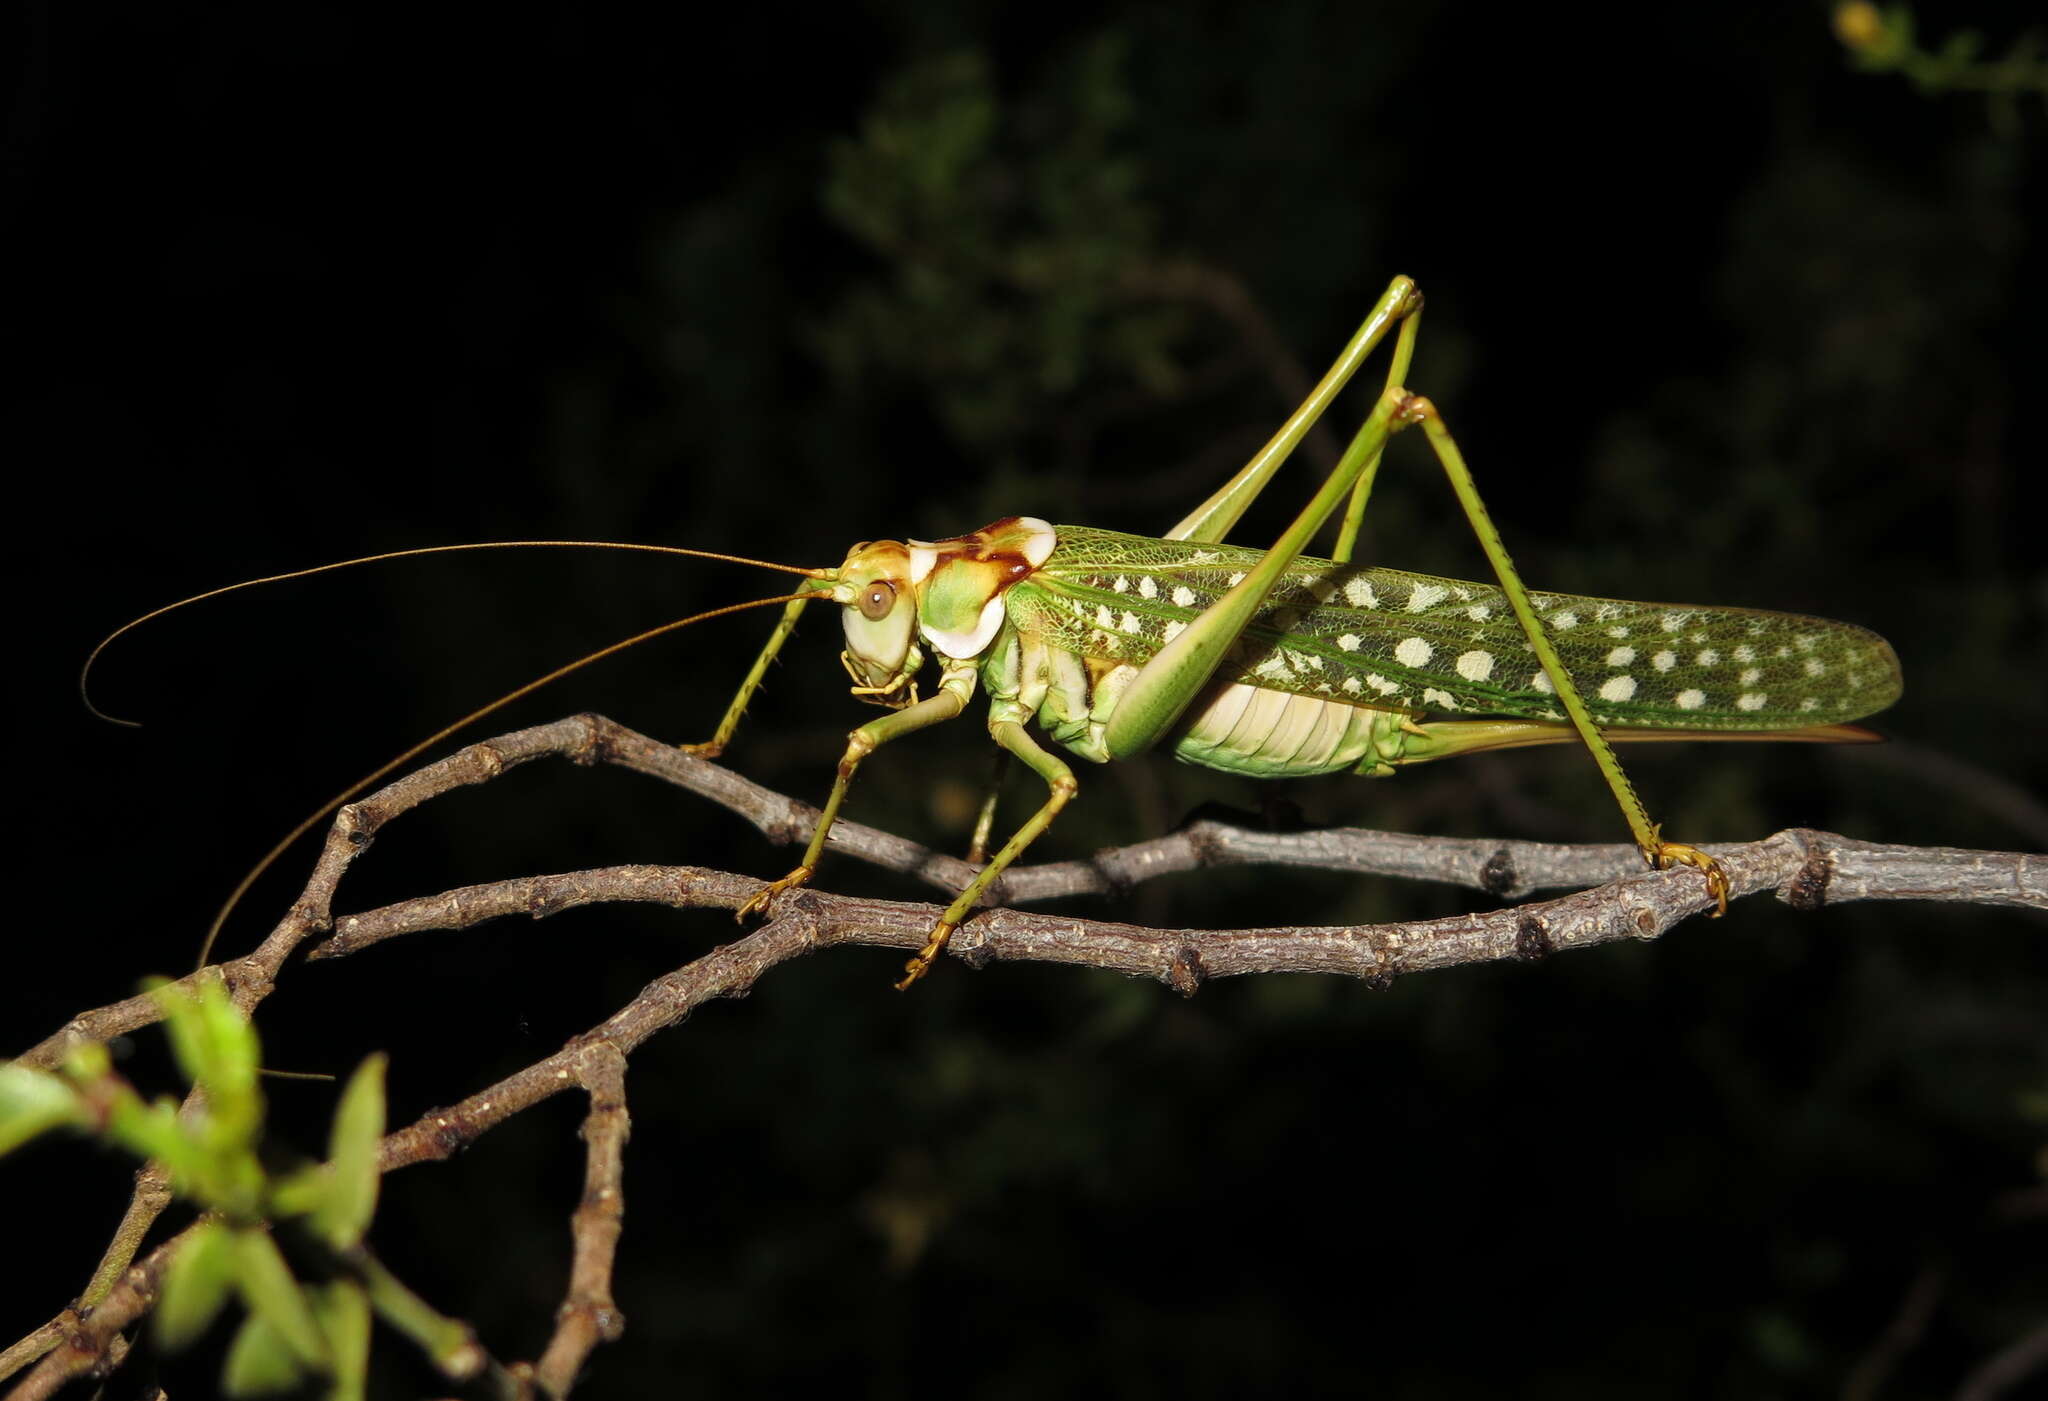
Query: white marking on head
[(1621, 656), (1475, 666), (1751, 700), (1618, 688), (1413, 651), (1425, 595), (923, 559), (1664, 661), (1691, 700)]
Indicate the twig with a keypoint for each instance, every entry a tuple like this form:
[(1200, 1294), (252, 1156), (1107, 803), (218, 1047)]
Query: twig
[(1806, 868), (588, 1316)]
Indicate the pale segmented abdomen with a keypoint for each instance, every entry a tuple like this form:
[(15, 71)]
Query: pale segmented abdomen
[(1271, 734)]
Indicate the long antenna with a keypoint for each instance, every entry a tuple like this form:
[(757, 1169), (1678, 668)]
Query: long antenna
[(85, 672), (326, 809)]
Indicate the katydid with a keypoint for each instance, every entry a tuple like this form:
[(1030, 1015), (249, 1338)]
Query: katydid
[(1266, 662), (1274, 664)]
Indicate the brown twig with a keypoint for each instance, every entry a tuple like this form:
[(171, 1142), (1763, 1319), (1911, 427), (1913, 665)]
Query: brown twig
[(1806, 868)]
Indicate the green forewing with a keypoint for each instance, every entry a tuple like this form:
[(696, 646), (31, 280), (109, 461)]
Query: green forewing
[(1412, 642)]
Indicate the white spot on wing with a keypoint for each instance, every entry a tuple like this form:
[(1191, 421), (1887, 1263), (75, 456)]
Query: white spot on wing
[(1424, 596), (1147, 588), (1414, 652), (1565, 620), (1359, 593), (1184, 596), (1475, 666), (1750, 700), (1664, 661), (1618, 688), (1479, 612), (1349, 641), (1691, 700), (1541, 682), (1621, 656)]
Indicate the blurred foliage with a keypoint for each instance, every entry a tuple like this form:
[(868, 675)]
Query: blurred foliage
[(1883, 40), (214, 1155)]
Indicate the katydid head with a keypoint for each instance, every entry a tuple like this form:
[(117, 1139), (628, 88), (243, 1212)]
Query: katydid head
[(879, 609)]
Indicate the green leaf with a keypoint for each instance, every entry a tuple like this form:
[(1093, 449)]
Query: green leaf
[(351, 1197), (217, 1048), (344, 1313), (259, 1361), (33, 1102), (273, 1295), (195, 1285)]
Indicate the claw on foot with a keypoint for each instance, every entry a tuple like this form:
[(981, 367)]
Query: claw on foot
[(767, 893), (1669, 854), (709, 749), (926, 956)]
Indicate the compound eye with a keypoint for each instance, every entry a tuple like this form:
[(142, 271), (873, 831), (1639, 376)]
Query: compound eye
[(877, 599)]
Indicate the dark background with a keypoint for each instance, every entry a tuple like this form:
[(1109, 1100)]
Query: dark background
[(1716, 318)]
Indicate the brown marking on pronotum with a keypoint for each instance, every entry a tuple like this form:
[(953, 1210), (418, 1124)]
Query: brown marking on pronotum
[(1497, 877), (1532, 939)]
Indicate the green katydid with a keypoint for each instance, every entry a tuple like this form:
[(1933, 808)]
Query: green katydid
[(1274, 664), (1267, 662)]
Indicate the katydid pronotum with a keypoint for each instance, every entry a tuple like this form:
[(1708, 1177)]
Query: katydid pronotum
[(1268, 662)]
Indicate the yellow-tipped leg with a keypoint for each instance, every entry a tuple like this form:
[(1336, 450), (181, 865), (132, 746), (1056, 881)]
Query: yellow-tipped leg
[(926, 956), (800, 876), (709, 749), (1665, 855)]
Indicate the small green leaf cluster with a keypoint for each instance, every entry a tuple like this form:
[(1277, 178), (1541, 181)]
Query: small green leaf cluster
[(1884, 41), (295, 1329)]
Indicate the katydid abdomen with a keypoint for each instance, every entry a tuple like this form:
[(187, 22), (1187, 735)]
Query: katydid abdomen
[(1336, 665)]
